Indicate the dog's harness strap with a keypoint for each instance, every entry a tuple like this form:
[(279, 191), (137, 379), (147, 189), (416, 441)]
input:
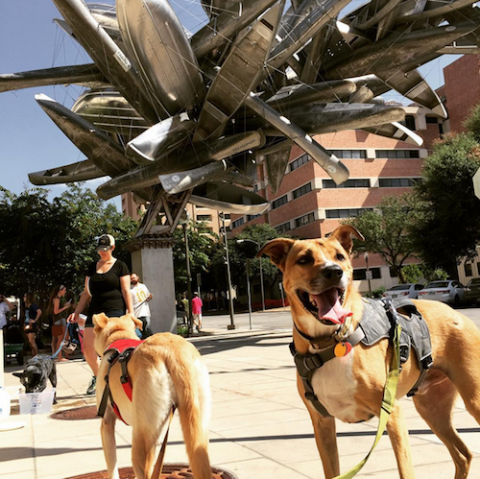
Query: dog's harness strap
[(122, 353), (307, 364), (161, 455)]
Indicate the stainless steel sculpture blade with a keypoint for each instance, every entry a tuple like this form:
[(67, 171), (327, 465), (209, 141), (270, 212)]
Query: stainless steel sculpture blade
[(412, 85), (238, 74), (107, 55), (229, 198), (182, 181), (109, 111), (160, 138), (434, 9), (81, 74), (302, 94), (320, 12), (396, 131), (330, 117), (330, 163), (80, 171), (277, 162), (107, 155), (226, 25), (191, 158), (156, 42)]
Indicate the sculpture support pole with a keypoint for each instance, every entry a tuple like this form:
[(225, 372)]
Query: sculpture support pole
[(152, 260)]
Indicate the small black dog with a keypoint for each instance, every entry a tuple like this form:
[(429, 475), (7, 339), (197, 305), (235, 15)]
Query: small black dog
[(37, 370)]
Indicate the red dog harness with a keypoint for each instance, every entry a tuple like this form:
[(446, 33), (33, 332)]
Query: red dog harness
[(122, 353)]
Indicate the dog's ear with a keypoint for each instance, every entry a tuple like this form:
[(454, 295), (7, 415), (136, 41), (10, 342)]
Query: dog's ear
[(277, 250), (18, 375), (343, 234), (100, 320), (137, 322)]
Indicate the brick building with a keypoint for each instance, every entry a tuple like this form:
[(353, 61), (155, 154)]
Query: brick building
[(310, 205)]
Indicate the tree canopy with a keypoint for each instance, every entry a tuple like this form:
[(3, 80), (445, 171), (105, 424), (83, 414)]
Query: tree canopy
[(448, 225), (46, 242), (386, 230)]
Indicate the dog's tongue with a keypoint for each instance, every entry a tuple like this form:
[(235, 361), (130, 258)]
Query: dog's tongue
[(329, 307)]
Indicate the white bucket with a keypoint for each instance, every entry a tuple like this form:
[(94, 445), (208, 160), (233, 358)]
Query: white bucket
[(36, 403)]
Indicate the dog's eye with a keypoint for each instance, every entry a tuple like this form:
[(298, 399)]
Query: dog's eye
[(305, 260), (340, 257)]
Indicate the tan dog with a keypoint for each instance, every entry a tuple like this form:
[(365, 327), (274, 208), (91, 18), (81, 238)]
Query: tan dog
[(317, 277), (165, 370)]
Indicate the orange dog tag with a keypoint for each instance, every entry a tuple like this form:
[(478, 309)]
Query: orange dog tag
[(342, 349)]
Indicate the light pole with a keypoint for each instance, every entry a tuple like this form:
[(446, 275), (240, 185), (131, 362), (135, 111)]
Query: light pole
[(369, 276), (189, 278), (249, 295), (261, 271), (230, 299)]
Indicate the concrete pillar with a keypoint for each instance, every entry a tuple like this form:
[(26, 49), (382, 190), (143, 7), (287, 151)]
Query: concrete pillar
[(152, 260)]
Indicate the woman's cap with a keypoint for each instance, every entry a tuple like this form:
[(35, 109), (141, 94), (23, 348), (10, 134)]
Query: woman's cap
[(105, 242)]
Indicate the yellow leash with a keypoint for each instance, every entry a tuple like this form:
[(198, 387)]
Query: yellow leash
[(387, 403)]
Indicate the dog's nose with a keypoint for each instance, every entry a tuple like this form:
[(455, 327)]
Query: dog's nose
[(332, 272)]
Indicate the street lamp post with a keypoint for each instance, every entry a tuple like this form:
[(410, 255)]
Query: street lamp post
[(249, 294), (369, 276), (230, 299), (189, 279), (261, 270)]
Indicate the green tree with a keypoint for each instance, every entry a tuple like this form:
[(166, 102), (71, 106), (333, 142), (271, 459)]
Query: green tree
[(43, 242), (202, 247), (386, 231), (448, 226)]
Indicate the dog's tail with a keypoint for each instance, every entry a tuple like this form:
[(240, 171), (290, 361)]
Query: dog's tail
[(193, 394)]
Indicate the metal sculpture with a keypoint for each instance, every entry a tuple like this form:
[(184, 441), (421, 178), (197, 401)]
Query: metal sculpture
[(177, 119)]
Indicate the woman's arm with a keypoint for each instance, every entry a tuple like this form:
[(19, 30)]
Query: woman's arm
[(37, 317), (56, 306), (84, 299), (125, 287)]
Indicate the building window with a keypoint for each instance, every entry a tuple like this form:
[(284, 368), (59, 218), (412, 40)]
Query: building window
[(431, 119), (395, 182), (237, 223), (410, 122), (303, 190), (299, 162), (397, 154), (359, 274), (255, 188), (227, 216), (205, 229), (279, 202), (345, 213), (357, 183), (478, 268), (305, 220), (349, 154), (468, 269), (252, 217), (204, 217), (283, 228)]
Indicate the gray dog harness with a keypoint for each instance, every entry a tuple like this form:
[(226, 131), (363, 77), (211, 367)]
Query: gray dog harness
[(379, 320)]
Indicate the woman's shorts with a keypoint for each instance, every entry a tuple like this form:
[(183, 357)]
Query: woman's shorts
[(114, 313), (57, 330)]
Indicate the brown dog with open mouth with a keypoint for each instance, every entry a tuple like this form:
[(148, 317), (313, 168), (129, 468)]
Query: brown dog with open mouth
[(317, 277), (164, 371)]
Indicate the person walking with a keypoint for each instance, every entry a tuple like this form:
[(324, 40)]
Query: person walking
[(5, 307), (107, 288), (197, 311), (140, 298), (58, 308), (32, 316)]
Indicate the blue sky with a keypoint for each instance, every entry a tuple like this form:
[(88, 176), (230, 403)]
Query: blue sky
[(29, 40)]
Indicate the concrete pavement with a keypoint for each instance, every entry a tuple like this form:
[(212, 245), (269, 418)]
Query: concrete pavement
[(259, 424)]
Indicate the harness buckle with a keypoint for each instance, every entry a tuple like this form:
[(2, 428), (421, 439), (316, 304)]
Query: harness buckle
[(113, 357), (312, 362), (311, 396)]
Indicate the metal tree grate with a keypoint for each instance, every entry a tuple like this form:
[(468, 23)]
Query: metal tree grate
[(170, 471)]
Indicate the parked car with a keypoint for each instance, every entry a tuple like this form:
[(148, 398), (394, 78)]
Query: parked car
[(448, 291), (472, 291), (408, 290)]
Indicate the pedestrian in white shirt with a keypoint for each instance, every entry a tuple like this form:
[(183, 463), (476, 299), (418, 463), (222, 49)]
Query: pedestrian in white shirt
[(5, 307), (140, 298)]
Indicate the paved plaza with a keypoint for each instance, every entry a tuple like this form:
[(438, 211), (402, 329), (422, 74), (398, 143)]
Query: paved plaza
[(259, 425)]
